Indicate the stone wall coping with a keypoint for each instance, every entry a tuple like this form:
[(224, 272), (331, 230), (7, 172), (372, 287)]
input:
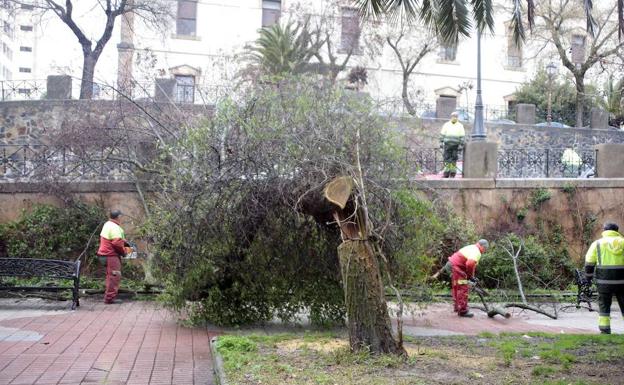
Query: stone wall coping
[(533, 183), (457, 183), (112, 103), (74, 187), (561, 183)]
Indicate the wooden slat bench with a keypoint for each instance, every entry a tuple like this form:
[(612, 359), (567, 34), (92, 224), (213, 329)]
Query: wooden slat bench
[(42, 268)]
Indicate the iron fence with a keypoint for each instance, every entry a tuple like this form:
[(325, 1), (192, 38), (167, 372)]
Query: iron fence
[(22, 89), (545, 163), (41, 162), (183, 93), (424, 162)]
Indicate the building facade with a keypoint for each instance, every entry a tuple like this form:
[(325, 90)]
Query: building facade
[(204, 49)]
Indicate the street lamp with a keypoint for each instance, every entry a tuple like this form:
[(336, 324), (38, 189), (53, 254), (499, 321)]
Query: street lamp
[(478, 133), (551, 71)]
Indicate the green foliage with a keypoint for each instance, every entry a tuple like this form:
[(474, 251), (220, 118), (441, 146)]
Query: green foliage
[(563, 98), (50, 232), (283, 50), (543, 263), (521, 214), (538, 197), (227, 237), (423, 236), (569, 189)]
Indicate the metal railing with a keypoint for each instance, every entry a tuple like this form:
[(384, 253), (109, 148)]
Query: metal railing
[(185, 94), (22, 89), (40, 162), (424, 162), (545, 163)]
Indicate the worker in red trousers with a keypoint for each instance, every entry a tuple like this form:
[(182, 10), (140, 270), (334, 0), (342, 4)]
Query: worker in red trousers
[(113, 246), (463, 267)]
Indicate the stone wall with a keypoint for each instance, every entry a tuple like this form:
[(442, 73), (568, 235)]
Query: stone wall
[(35, 121), (425, 132), (17, 197), (579, 206)]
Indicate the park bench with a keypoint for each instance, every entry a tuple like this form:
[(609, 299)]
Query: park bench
[(42, 268)]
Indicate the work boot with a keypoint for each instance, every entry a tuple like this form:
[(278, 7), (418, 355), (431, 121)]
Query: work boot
[(446, 174), (466, 314), (452, 174), (113, 302), (603, 331)]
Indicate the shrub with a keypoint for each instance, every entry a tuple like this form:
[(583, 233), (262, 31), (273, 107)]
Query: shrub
[(542, 264), (50, 232)]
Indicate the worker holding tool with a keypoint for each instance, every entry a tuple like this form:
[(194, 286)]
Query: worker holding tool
[(113, 246), (605, 262), (463, 267), (452, 138)]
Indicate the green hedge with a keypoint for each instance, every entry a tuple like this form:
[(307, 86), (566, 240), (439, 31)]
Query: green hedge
[(50, 232)]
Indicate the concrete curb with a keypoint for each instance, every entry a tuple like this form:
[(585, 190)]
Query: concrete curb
[(217, 363)]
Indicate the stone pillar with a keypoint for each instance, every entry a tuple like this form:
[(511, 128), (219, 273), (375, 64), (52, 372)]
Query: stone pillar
[(609, 161), (599, 118), (525, 113), (59, 87), (480, 159), (125, 53), (444, 106), (164, 91)]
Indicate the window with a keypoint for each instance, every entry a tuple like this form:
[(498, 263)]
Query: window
[(25, 70), (448, 52), (514, 53), (27, 7), (7, 51), (578, 49), (24, 91), (25, 49), (271, 11), (350, 30), (186, 22), (26, 28), (8, 29), (185, 88)]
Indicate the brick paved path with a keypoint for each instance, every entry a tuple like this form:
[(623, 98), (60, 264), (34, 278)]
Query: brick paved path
[(131, 343)]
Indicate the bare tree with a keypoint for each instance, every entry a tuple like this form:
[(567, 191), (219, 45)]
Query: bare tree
[(561, 21), (409, 45), (153, 12)]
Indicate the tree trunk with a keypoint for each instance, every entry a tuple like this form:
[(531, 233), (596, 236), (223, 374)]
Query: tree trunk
[(88, 71), (580, 100), (367, 314), (405, 96)]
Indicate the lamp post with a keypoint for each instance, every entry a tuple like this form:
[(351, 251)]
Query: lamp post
[(478, 132), (551, 71)]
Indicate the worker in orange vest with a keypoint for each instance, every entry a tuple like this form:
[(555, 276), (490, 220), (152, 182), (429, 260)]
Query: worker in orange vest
[(113, 246), (463, 267)]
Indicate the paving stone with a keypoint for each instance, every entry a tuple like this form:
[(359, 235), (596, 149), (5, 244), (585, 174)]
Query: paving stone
[(133, 343)]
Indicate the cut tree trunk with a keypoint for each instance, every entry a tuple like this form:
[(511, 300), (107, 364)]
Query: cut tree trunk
[(367, 314)]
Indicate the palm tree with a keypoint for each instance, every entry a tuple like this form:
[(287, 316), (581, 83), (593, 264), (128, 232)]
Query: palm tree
[(282, 50), (451, 18)]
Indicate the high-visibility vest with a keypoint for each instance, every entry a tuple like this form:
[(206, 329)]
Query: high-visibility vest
[(112, 230), (571, 158), (452, 131), (471, 252), (607, 256)]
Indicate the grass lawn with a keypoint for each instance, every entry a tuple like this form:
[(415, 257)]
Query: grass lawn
[(322, 358)]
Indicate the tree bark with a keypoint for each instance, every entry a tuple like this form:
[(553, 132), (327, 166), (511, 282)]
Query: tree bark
[(367, 314), (405, 95), (88, 71), (580, 100)]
